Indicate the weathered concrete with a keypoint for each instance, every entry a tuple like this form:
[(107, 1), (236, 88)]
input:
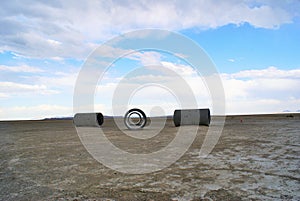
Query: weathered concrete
[(191, 117), (88, 119)]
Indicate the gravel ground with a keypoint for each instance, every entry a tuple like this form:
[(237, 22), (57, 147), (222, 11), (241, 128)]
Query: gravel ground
[(256, 159)]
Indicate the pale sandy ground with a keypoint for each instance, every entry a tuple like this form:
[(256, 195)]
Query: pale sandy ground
[(258, 159)]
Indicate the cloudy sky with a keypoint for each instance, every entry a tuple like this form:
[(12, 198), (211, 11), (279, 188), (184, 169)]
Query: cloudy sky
[(43, 44)]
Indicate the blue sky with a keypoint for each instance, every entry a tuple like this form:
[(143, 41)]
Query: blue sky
[(254, 44)]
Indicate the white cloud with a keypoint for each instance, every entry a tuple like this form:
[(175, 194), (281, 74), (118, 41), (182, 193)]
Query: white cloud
[(253, 91), (44, 86), (111, 52), (270, 72), (20, 69), (263, 106), (58, 80), (262, 91), (259, 93), (16, 89), (54, 43), (34, 112), (180, 69), (146, 58), (3, 95), (149, 91), (47, 29)]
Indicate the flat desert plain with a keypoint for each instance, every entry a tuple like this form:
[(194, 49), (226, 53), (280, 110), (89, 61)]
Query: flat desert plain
[(256, 159)]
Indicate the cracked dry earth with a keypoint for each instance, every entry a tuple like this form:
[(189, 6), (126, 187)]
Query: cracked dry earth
[(257, 159)]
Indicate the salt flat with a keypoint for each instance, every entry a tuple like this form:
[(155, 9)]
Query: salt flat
[(256, 159)]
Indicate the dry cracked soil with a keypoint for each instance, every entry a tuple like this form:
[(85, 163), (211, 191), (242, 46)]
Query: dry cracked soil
[(256, 159)]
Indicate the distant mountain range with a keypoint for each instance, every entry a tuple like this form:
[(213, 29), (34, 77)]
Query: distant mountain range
[(58, 118), (289, 111), (106, 117), (110, 117)]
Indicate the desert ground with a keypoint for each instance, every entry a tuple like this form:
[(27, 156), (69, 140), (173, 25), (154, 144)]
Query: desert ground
[(256, 159)]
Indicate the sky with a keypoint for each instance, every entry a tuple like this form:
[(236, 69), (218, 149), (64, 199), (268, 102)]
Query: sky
[(254, 45)]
